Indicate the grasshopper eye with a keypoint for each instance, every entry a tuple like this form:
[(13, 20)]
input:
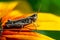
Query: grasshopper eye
[(33, 17)]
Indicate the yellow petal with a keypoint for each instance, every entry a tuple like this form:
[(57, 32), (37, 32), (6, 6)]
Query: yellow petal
[(12, 5), (48, 21), (7, 7)]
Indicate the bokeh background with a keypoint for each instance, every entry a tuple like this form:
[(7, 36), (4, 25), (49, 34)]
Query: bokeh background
[(42, 6)]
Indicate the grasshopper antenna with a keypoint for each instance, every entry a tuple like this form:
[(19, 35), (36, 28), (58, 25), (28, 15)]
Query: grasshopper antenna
[(36, 25)]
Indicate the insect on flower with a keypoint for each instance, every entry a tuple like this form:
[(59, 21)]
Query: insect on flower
[(20, 23), (10, 24)]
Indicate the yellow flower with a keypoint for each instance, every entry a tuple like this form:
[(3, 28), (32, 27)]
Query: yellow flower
[(22, 35), (16, 14)]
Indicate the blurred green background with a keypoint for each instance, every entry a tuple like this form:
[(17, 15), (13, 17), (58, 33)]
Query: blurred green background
[(52, 6), (49, 6)]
